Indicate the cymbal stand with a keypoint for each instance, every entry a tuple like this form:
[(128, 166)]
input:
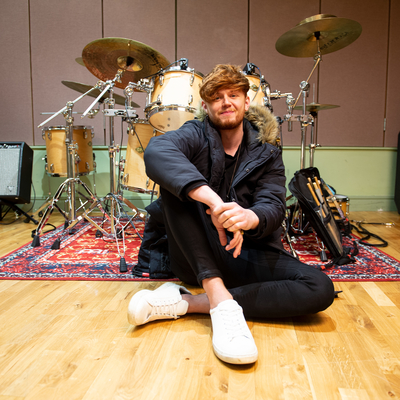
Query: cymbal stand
[(117, 228), (313, 139)]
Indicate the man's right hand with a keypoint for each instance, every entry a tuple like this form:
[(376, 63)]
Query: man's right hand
[(206, 195)]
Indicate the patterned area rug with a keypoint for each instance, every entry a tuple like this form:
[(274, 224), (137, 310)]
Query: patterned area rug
[(83, 256)]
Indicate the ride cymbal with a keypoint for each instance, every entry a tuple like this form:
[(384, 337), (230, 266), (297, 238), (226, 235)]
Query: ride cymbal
[(104, 57), (334, 34), (82, 88), (315, 107)]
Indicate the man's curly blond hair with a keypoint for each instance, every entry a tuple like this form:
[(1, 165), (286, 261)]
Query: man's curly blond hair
[(223, 76)]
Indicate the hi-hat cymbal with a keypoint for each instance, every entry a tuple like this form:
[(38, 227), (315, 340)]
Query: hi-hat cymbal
[(104, 57), (334, 34), (315, 107), (82, 88)]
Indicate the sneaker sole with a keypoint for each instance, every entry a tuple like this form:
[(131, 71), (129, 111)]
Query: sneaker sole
[(245, 359)]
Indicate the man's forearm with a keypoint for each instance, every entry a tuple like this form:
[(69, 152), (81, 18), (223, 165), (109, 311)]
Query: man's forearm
[(204, 194)]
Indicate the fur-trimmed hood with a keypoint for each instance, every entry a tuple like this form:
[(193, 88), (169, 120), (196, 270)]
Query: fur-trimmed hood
[(261, 118)]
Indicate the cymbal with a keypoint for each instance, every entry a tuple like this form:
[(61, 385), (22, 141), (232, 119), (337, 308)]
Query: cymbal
[(334, 34), (104, 57), (315, 107), (82, 88)]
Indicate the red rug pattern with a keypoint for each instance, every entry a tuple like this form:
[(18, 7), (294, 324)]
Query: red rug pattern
[(83, 256)]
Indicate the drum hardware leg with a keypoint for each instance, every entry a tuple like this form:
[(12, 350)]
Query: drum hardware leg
[(303, 145), (94, 176), (68, 185), (49, 210), (322, 255), (313, 139), (288, 238), (298, 225)]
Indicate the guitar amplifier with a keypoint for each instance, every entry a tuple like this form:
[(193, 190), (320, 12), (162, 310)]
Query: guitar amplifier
[(16, 161)]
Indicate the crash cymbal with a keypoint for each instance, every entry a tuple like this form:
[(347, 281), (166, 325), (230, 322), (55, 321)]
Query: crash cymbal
[(104, 57), (82, 88), (334, 34), (315, 107)]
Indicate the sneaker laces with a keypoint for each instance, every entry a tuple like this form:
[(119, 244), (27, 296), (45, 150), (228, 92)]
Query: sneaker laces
[(165, 308), (234, 323)]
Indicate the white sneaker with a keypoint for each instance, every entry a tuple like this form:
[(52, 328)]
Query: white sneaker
[(232, 339), (163, 303)]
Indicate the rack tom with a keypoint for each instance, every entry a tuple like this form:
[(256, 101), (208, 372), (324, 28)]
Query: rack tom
[(259, 91), (174, 98)]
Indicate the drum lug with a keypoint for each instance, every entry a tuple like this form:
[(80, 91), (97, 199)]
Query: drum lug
[(87, 166), (159, 98), (51, 168), (190, 99), (161, 80), (43, 135), (49, 135), (85, 135), (192, 79)]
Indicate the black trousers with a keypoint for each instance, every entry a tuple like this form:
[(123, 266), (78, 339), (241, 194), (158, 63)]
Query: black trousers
[(266, 282)]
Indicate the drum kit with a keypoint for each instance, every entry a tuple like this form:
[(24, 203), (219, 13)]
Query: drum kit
[(172, 98)]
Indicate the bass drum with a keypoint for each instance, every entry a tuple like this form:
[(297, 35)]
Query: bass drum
[(134, 176), (56, 149), (174, 98)]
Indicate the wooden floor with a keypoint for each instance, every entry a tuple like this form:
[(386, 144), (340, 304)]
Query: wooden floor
[(72, 340)]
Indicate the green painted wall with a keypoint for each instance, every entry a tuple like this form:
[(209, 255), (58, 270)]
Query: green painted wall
[(365, 175)]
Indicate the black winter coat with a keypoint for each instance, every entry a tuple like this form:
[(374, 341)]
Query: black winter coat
[(194, 153)]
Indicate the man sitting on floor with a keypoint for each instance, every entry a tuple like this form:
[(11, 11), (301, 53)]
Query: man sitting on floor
[(222, 183)]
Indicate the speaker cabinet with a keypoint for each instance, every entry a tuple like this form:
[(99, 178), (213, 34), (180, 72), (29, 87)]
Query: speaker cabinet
[(397, 186), (16, 160)]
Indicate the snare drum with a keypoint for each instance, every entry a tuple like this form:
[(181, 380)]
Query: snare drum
[(259, 91), (343, 203), (134, 176), (56, 148), (174, 98)]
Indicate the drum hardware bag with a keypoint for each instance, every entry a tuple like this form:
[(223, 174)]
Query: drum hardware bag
[(306, 187)]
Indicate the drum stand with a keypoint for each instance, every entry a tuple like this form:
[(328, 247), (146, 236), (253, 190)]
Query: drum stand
[(297, 221), (69, 185)]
